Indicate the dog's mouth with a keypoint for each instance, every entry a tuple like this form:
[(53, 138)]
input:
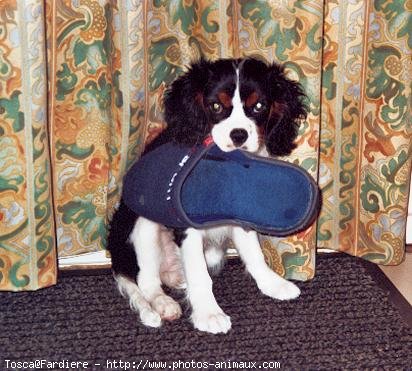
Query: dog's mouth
[(245, 147), (241, 138)]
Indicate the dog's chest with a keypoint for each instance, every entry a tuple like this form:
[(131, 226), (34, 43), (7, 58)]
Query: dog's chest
[(216, 236)]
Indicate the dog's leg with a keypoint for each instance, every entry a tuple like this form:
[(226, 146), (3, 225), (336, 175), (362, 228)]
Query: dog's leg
[(206, 313), (171, 267), (137, 301), (146, 241), (270, 283)]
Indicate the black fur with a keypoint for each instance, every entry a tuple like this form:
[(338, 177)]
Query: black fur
[(285, 101), (287, 112), (121, 250), (189, 118)]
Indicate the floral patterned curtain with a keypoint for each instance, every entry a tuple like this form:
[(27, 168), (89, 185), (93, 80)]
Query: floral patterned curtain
[(366, 149), (81, 83)]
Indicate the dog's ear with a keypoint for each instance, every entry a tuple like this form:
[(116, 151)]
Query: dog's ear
[(287, 110), (184, 112)]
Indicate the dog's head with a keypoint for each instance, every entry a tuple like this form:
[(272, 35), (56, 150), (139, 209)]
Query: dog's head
[(242, 103)]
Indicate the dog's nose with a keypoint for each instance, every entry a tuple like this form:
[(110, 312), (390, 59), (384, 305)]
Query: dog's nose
[(238, 136)]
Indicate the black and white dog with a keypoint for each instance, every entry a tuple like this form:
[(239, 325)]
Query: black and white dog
[(243, 104)]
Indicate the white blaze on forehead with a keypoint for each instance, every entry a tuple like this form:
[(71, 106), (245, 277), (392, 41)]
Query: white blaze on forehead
[(236, 101), (236, 120)]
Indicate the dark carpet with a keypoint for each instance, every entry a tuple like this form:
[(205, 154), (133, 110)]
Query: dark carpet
[(342, 320)]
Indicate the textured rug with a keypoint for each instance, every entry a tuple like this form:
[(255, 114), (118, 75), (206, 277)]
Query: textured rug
[(342, 320)]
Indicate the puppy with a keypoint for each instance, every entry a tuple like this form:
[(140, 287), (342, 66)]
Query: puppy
[(243, 104)]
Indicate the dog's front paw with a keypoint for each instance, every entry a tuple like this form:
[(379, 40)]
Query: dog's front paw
[(213, 322), (166, 307), (281, 290), (150, 318)]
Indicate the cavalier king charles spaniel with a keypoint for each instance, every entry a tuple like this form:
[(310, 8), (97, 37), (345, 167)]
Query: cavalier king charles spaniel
[(243, 104)]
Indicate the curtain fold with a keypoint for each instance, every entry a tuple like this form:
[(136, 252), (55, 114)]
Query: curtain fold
[(366, 149), (27, 241), (81, 85)]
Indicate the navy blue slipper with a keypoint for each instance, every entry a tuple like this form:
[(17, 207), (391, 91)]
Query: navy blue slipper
[(203, 186)]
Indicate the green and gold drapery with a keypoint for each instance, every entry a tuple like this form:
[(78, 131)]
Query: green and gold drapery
[(80, 94)]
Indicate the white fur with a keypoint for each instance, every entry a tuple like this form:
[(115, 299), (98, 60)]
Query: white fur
[(236, 120), (206, 315), (146, 239), (270, 283), (137, 302), (171, 268), (214, 250), (214, 258)]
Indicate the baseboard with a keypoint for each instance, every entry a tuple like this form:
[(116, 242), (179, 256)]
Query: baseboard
[(92, 260), (99, 259)]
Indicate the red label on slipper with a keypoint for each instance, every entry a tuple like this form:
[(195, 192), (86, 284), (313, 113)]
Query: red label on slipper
[(208, 140)]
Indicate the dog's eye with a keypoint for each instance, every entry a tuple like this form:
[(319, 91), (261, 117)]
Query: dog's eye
[(259, 107), (216, 107)]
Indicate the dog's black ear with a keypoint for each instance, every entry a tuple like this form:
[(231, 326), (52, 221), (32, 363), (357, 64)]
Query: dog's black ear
[(184, 111), (286, 112)]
